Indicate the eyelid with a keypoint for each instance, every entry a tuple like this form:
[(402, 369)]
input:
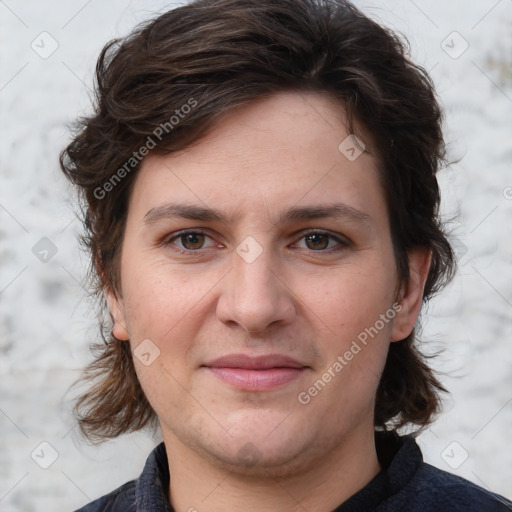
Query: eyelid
[(167, 240), (341, 240)]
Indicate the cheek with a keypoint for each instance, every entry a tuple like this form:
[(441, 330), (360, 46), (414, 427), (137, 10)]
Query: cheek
[(359, 311), (159, 296), (161, 306), (356, 299)]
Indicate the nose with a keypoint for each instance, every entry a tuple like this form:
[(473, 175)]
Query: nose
[(255, 295)]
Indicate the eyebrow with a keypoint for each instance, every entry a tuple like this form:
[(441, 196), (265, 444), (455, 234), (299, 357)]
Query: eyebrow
[(200, 213)]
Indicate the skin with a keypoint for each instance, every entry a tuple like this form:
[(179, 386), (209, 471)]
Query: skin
[(302, 297)]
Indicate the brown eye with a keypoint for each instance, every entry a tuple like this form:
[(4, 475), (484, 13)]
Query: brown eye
[(188, 241), (192, 241), (317, 241)]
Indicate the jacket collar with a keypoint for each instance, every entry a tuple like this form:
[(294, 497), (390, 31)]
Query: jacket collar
[(399, 457)]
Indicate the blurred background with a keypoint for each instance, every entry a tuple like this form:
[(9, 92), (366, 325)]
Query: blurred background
[(48, 51)]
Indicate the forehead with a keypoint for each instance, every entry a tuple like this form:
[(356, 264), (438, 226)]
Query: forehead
[(280, 151)]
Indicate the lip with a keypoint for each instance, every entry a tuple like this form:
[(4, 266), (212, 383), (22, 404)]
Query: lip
[(260, 373), (246, 362)]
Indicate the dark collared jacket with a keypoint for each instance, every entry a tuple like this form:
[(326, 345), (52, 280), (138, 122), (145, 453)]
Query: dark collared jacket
[(405, 484)]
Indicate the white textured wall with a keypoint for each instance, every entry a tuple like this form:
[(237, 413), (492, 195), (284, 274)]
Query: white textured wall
[(46, 323)]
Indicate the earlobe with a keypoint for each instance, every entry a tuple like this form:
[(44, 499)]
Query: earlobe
[(117, 311), (411, 295)]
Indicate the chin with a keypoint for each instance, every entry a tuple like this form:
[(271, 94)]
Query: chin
[(262, 446), (255, 460)]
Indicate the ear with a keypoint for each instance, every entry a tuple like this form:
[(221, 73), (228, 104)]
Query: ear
[(116, 307), (411, 295)]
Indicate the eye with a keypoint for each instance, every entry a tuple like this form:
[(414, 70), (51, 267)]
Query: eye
[(318, 241), (191, 241)]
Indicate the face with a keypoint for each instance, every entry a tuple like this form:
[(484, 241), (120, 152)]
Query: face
[(259, 287)]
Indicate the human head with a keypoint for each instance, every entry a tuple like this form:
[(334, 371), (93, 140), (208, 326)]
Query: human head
[(170, 83)]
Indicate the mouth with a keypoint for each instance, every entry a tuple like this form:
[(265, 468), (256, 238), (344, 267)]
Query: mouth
[(261, 373)]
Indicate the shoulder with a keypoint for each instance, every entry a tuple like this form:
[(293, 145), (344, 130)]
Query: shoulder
[(121, 499), (435, 489), (147, 490), (412, 484)]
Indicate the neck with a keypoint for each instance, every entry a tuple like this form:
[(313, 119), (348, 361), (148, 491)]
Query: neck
[(327, 480)]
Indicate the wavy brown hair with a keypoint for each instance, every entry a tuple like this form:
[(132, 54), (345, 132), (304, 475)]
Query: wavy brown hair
[(220, 54)]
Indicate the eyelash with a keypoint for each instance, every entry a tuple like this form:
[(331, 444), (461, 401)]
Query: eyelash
[(169, 240)]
